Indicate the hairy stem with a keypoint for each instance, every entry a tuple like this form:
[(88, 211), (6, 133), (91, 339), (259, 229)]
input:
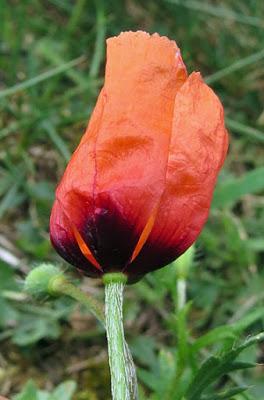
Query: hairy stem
[(123, 376), (60, 285)]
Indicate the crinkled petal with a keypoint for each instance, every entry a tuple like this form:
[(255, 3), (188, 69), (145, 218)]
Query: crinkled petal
[(198, 148), (119, 169)]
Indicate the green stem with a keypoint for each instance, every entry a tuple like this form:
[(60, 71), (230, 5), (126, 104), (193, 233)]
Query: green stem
[(60, 285), (123, 381), (123, 373), (174, 390), (181, 293)]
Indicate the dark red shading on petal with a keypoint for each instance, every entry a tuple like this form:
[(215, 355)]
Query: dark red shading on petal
[(198, 148), (113, 232), (63, 240)]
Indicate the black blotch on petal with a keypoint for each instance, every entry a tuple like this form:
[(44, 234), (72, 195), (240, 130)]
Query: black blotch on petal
[(109, 235)]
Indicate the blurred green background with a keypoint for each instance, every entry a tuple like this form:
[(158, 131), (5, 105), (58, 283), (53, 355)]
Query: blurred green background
[(52, 55)]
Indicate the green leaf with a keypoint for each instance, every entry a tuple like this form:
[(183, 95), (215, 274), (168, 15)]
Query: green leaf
[(239, 365), (7, 275), (8, 314), (232, 190), (143, 348), (43, 395), (228, 394), (65, 391), (33, 329), (29, 392), (214, 336), (221, 333), (166, 371), (248, 319), (217, 366), (149, 379)]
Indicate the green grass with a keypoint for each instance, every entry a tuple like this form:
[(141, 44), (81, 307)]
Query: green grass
[(52, 57)]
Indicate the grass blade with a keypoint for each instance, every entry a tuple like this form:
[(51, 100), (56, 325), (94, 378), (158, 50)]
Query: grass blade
[(56, 139), (41, 77), (251, 133), (100, 40), (242, 63), (220, 12)]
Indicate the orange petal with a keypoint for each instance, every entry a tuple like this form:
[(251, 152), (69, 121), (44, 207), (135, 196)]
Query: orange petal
[(197, 151), (145, 234), (123, 155), (85, 249), (132, 146)]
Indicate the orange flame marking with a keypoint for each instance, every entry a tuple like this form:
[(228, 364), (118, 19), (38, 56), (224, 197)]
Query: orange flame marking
[(85, 249), (145, 233)]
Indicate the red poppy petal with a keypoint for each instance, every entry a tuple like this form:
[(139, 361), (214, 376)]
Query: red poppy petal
[(132, 147), (80, 173), (119, 168), (198, 147)]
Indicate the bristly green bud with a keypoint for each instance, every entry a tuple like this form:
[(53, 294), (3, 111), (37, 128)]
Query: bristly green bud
[(184, 263), (38, 283), (48, 280)]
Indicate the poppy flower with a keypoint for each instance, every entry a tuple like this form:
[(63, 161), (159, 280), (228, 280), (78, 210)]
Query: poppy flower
[(137, 190)]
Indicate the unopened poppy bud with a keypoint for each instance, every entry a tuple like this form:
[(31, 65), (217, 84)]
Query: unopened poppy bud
[(137, 190), (39, 282)]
